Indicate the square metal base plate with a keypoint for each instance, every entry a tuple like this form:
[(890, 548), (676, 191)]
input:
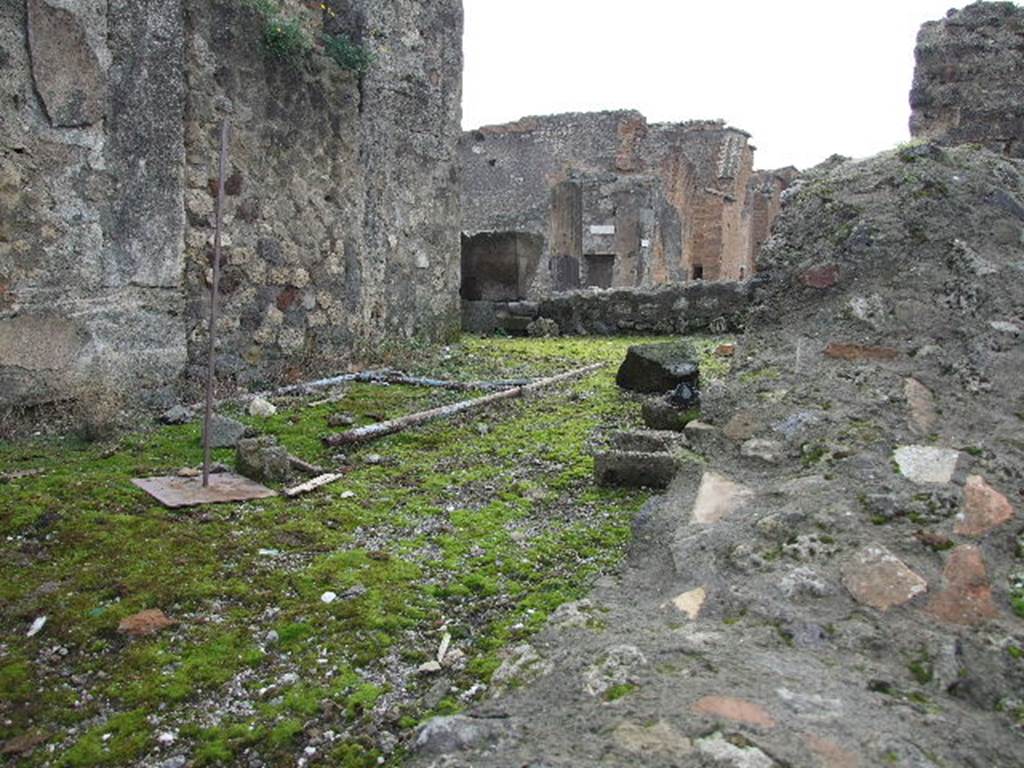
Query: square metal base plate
[(175, 492)]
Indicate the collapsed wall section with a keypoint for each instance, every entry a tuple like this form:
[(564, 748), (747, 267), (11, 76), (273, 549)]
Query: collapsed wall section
[(341, 218), (967, 81)]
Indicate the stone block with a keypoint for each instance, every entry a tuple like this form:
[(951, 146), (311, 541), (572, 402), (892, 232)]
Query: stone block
[(634, 469), (658, 368), (647, 440)]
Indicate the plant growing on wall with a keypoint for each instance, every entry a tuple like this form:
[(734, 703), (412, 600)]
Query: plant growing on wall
[(284, 38)]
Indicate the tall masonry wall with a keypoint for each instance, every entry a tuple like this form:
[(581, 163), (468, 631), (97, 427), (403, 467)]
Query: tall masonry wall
[(342, 210)]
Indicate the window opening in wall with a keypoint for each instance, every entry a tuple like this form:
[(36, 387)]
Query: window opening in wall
[(698, 271)]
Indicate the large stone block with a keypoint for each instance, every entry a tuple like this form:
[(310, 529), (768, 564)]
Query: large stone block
[(67, 72), (658, 368)]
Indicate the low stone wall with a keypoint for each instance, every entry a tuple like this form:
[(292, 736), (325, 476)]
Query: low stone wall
[(714, 307)]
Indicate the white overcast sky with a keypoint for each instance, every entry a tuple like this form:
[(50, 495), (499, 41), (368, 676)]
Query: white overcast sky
[(806, 79)]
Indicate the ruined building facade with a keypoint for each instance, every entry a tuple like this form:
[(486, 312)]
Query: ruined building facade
[(607, 200), (968, 78), (342, 215)]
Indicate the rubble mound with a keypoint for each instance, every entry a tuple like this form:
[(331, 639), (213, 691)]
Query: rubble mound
[(841, 579)]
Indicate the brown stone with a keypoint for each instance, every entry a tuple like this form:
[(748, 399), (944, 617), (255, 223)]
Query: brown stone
[(145, 623), (741, 427), (22, 744), (725, 350), (966, 597), (857, 352), (737, 710), (829, 754), (922, 406), (985, 508), (876, 577), (824, 276), (66, 70), (936, 541)]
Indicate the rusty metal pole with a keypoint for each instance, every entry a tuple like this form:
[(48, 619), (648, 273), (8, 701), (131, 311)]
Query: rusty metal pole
[(214, 289)]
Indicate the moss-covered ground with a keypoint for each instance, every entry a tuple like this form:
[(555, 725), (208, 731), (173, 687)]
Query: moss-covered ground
[(477, 527)]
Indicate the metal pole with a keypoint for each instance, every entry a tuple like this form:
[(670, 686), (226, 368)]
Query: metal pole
[(210, 357)]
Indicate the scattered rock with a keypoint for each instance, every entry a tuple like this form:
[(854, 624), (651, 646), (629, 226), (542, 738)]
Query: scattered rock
[(615, 667), (522, 663), (859, 352), (660, 414), (447, 735), (179, 414), (574, 614), (876, 577), (966, 596), (261, 408), (691, 602), (718, 497), (728, 755), (932, 540), (985, 508), (725, 350), (373, 459), (811, 706), (431, 667), (340, 420), (735, 709), (22, 744), (263, 460), (926, 465), (659, 368), (145, 623), (768, 451), (702, 436), (189, 472), (823, 276), (37, 627), (803, 581), (225, 432), (921, 402), (741, 426), (542, 327), (634, 469), (328, 597)]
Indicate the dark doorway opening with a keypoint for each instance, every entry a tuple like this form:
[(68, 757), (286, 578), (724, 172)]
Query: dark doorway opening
[(498, 266), (698, 271), (600, 269)]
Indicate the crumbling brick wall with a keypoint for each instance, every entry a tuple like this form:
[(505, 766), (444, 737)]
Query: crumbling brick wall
[(341, 220), (659, 203), (967, 82)]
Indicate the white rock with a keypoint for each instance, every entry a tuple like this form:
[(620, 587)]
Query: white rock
[(36, 627), (691, 602), (429, 668), (167, 738), (926, 465), (261, 408), (328, 597)]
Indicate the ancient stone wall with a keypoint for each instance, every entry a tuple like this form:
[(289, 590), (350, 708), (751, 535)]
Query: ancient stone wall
[(967, 82), (659, 203), (341, 218), (714, 307)]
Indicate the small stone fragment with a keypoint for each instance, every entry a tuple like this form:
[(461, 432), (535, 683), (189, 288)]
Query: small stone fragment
[(659, 414), (876, 577), (735, 709), (727, 755), (985, 508), (725, 350), (145, 623), (450, 734), (691, 602), (179, 414), (37, 627), (429, 668), (922, 406), (768, 451), (718, 497), (189, 472), (328, 597), (263, 460), (340, 420), (543, 327), (615, 667), (966, 596), (859, 352), (261, 408), (741, 426), (225, 432), (925, 464)]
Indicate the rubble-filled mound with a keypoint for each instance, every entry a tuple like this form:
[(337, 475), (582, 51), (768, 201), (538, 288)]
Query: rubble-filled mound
[(836, 576)]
